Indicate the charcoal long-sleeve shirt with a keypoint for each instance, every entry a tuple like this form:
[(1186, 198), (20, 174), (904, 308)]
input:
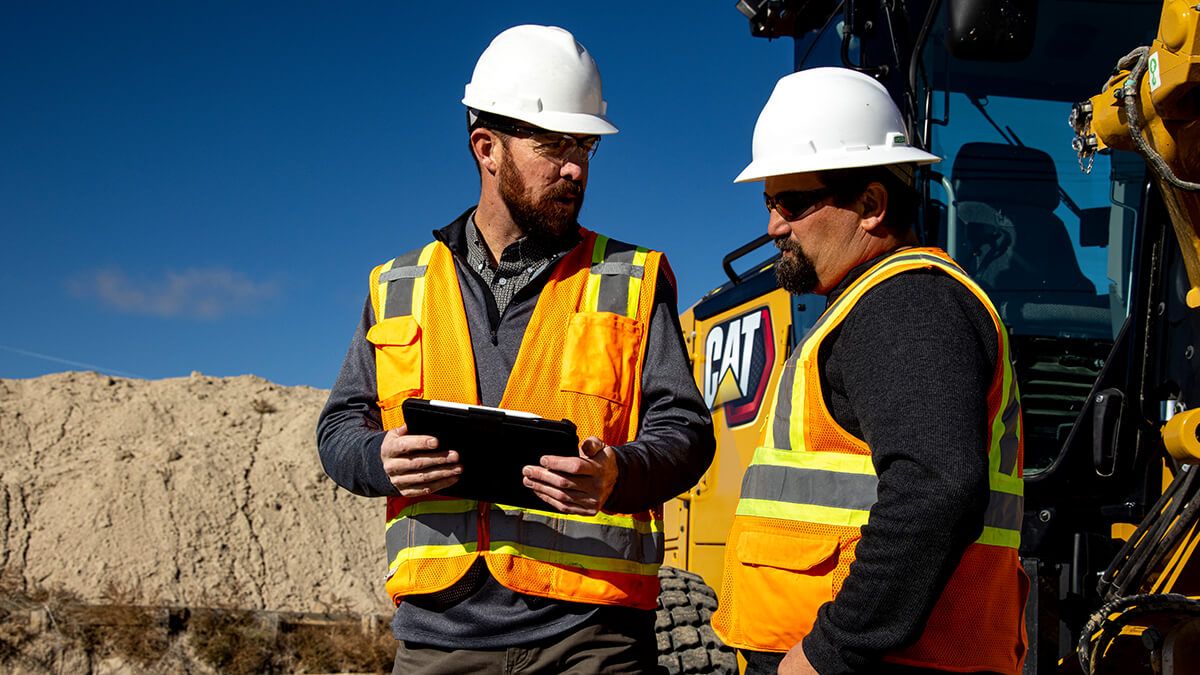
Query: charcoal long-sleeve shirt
[(673, 448)]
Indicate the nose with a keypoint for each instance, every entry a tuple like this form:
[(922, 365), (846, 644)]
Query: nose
[(776, 225), (573, 169)]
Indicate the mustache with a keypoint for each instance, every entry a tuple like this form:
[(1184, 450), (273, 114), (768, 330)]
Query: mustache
[(566, 189), (784, 243)]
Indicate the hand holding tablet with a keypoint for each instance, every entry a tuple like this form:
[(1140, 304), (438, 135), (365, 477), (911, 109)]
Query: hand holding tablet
[(490, 448)]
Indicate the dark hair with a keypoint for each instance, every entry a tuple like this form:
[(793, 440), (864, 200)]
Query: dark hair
[(849, 184), (485, 120)]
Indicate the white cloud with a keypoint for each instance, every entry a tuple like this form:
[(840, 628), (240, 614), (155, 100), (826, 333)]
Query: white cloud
[(194, 293)]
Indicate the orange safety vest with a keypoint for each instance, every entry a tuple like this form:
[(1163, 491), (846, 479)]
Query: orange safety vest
[(581, 359), (809, 489)]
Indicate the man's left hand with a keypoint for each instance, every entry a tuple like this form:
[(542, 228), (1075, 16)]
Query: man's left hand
[(578, 485), (796, 663)]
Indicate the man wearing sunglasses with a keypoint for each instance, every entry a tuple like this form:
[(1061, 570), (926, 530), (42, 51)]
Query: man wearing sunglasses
[(880, 516), (515, 305)]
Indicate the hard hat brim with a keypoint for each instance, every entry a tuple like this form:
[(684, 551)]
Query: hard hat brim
[(562, 122), (761, 170), (572, 123)]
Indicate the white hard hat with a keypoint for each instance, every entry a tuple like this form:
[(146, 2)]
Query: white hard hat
[(540, 75), (829, 118)]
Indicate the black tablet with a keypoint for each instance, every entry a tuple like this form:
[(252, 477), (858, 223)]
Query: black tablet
[(493, 446)]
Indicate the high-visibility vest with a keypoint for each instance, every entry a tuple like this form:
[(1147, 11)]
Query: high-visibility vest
[(581, 359), (810, 486)]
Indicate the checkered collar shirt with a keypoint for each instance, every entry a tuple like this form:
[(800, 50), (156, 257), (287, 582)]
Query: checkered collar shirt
[(521, 261)]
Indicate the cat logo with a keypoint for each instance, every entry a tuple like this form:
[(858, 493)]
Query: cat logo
[(739, 355)]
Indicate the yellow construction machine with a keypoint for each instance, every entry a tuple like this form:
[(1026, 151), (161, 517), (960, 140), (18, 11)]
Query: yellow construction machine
[(1073, 200)]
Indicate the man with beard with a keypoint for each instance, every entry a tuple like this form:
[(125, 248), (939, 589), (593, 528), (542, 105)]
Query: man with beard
[(515, 305), (880, 516)]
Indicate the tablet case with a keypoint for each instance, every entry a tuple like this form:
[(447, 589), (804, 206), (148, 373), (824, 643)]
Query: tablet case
[(493, 448)]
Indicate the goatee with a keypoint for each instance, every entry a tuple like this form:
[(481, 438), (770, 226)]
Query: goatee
[(796, 273)]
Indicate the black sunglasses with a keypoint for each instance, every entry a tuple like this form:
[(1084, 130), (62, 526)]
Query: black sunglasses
[(795, 204), (550, 143)]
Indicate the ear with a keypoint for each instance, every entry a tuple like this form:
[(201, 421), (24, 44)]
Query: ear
[(485, 145), (872, 206)]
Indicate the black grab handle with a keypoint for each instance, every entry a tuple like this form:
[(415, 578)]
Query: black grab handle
[(742, 250)]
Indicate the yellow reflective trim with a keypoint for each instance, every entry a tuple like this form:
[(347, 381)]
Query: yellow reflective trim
[(994, 536), (766, 433), (381, 289), (865, 283), (608, 519), (591, 291), (1002, 482), (587, 562), (418, 290), (799, 417), (435, 506), (599, 248), (635, 283), (1006, 394), (805, 513), (838, 462), (423, 552)]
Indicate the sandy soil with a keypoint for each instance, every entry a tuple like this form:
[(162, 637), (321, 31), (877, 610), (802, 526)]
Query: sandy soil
[(193, 491)]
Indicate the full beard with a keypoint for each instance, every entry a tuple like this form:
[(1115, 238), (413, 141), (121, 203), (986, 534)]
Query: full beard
[(549, 218), (796, 273)]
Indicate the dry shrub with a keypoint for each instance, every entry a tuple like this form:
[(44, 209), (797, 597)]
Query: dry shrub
[(232, 641), (14, 617), (122, 626), (14, 633), (340, 648), (18, 602)]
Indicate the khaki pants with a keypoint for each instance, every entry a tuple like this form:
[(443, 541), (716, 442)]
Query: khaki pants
[(594, 647)]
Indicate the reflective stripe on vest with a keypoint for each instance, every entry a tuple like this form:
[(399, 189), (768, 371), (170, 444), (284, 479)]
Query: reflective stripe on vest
[(810, 488), (830, 488), (620, 552), (401, 285), (615, 281), (434, 528), (605, 541)]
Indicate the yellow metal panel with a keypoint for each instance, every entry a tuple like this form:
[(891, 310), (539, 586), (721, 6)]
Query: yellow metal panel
[(709, 513), (709, 562)]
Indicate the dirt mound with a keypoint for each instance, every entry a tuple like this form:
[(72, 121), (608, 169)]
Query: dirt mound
[(195, 491)]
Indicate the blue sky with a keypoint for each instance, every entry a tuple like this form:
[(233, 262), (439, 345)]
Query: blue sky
[(205, 186)]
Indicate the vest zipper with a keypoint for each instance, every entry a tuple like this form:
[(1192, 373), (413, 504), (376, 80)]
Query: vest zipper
[(485, 535)]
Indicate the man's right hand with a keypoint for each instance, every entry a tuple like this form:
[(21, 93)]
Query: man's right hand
[(415, 465)]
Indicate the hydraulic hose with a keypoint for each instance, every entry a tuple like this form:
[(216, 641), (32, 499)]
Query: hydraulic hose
[(1135, 61), (1106, 622)]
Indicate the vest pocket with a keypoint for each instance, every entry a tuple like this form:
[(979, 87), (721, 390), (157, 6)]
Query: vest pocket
[(780, 581), (600, 355), (397, 359)]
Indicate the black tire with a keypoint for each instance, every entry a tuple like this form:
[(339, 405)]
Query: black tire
[(683, 627)]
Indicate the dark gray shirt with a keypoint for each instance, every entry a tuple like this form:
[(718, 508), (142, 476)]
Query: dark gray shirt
[(674, 446)]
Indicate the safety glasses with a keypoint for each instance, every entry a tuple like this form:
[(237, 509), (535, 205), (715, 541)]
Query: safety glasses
[(551, 144), (795, 204)]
